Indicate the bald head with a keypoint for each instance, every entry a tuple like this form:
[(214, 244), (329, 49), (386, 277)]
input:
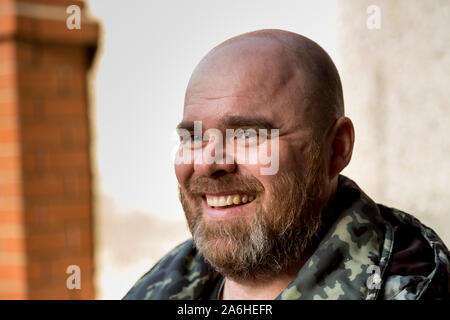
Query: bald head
[(287, 85), (268, 63)]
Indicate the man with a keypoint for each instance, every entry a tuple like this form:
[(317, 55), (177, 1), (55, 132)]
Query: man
[(300, 230)]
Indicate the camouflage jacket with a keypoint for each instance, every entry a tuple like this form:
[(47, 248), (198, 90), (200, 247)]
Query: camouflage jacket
[(369, 252)]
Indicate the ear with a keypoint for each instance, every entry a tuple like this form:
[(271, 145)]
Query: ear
[(341, 139)]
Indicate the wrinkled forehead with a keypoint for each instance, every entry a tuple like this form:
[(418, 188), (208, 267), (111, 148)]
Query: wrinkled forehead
[(253, 78)]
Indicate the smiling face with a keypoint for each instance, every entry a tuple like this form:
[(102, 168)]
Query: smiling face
[(246, 224)]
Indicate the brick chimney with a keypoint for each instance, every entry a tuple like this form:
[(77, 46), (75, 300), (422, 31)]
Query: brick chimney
[(46, 209)]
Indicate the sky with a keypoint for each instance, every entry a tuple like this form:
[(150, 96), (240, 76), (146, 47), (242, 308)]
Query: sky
[(148, 51)]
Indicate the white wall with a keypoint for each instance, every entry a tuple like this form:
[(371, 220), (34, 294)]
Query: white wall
[(396, 87)]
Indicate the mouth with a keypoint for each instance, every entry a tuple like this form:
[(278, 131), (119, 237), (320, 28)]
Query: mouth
[(227, 206), (227, 201)]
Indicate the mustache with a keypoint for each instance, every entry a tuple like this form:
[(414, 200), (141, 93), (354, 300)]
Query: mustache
[(222, 184)]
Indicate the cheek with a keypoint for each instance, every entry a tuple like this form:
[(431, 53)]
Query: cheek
[(183, 173), (292, 157)]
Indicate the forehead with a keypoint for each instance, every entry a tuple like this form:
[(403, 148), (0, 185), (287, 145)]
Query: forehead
[(231, 111), (258, 83)]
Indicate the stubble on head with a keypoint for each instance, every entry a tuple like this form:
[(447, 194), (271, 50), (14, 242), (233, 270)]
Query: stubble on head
[(273, 70)]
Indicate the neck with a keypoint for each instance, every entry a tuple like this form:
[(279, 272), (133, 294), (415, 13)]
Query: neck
[(234, 290), (263, 290)]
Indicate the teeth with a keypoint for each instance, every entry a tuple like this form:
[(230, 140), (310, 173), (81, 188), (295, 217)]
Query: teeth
[(222, 201)]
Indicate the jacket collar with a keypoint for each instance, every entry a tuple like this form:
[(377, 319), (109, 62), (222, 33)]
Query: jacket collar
[(358, 243), (352, 254)]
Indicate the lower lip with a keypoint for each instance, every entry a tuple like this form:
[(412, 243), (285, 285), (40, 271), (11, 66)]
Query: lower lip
[(226, 213)]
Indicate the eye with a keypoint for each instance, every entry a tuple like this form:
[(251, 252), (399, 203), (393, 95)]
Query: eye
[(246, 134), (196, 137), (186, 138)]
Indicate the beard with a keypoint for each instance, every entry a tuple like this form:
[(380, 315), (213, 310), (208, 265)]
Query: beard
[(260, 245)]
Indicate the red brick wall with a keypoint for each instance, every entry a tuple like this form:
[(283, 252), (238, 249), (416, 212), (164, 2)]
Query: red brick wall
[(46, 212)]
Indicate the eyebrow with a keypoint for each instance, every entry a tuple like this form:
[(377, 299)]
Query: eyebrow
[(253, 121), (188, 125), (234, 122)]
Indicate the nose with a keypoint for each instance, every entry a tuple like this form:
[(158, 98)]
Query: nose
[(212, 159)]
